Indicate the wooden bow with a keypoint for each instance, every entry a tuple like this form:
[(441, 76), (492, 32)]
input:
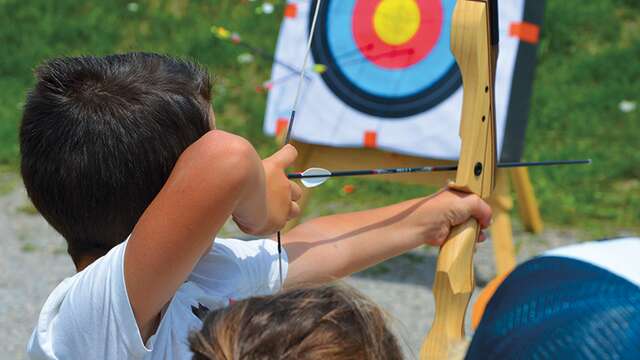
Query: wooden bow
[(474, 43)]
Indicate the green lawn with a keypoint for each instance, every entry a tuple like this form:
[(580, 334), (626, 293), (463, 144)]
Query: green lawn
[(589, 63)]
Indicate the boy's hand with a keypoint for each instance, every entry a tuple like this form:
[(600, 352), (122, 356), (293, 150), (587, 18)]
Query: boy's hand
[(282, 194), (439, 214)]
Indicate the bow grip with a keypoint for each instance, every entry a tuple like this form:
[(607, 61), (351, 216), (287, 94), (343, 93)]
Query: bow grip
[(456, 257), (453, 285)]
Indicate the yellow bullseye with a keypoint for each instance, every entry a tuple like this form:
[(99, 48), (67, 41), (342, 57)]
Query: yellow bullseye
[(396, 21)]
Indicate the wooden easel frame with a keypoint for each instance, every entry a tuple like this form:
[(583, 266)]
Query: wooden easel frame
[(310, 155)]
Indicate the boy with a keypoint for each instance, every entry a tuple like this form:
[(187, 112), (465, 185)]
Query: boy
[(121, 156)]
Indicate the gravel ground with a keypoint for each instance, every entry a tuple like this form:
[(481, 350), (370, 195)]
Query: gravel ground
[(33, 261)]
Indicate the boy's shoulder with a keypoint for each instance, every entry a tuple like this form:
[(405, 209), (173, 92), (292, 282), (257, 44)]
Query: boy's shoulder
[(91, 310), (86, 311)]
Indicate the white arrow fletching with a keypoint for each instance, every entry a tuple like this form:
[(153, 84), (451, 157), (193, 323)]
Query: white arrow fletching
[(315, 181)]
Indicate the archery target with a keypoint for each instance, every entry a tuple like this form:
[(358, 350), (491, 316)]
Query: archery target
[(382, 75), (395, 63)]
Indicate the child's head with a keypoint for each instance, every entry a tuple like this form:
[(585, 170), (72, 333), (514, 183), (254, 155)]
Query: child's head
[(317, 323), (99, 137)]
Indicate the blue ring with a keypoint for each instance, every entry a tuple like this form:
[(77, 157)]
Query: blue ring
[(376, 80)]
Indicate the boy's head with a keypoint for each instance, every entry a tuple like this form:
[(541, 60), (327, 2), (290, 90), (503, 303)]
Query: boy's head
[(328, 322), (99, 137)]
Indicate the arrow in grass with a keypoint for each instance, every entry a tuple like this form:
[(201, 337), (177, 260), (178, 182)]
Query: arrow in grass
[(313, 177)]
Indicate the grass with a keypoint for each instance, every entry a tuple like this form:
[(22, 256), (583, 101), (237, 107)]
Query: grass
[(28, 248), (8, 179), (588, 64), (27, 209)]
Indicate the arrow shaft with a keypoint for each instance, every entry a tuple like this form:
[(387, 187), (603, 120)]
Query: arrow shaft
[(544, 163), (428, 169), (267, 56)]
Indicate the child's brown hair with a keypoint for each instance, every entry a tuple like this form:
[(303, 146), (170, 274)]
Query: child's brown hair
[(313, 323)]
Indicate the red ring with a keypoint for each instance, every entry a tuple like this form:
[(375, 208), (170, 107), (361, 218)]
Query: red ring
[(396, 56)]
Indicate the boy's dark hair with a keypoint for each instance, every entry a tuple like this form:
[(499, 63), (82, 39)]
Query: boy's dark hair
[(99, 137)]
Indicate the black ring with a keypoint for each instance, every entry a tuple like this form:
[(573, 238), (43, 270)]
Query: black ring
[(352, 95)]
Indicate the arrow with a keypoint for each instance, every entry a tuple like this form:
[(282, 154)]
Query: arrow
[(313, 177), (225, 34)]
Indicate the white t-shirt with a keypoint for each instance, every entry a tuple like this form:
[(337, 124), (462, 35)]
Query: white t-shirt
[(88, 316)]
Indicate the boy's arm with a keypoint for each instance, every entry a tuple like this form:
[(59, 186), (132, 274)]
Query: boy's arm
[(335, 246), (212, 178)]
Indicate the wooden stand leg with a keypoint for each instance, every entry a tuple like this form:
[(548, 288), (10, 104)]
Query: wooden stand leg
[(501, 231), (527, 203)]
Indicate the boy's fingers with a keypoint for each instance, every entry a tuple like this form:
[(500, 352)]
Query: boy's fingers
[(471, 205), (480, 210), (294, 212), (285, 156), (296, 191)]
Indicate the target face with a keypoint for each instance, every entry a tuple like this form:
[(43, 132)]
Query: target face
[(381, 75), (387, 58)]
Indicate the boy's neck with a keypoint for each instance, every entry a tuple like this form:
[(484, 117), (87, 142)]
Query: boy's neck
[(85, 261)]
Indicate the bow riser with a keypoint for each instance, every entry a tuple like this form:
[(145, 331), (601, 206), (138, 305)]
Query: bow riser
[(454, 282), (471, 46)]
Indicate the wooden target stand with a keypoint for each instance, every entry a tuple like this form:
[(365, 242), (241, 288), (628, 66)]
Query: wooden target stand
[(501, 201)]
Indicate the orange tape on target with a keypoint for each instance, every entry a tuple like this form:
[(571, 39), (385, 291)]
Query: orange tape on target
[(370, 139), (525, 31), (291, 11), (281, 126)]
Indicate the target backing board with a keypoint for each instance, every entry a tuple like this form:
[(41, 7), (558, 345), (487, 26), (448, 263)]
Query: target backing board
[(382, 75)]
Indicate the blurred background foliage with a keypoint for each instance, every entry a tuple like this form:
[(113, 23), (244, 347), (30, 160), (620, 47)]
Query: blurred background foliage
[(587, 84)]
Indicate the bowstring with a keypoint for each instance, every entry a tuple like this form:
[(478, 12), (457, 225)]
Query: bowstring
[(293, 113), (303, 70)]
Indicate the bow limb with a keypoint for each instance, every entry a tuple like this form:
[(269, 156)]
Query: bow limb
[(474, 45)]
